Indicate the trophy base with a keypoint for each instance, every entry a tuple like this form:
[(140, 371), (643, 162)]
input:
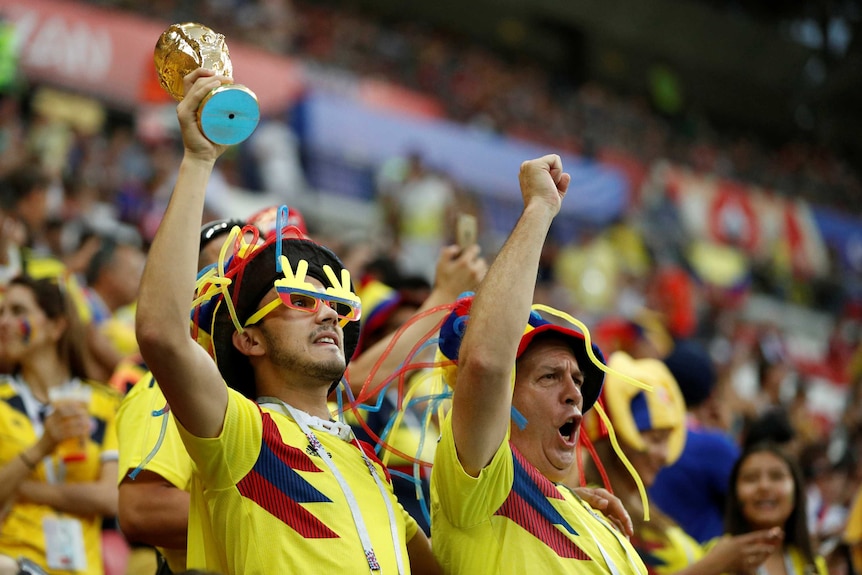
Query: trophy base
[(229, 114)]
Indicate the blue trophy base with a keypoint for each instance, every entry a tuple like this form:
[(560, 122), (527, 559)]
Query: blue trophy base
[(229, 114)]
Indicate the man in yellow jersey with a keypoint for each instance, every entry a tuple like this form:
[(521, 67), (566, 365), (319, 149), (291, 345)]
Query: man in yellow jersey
[(277, 487), (499, 503)]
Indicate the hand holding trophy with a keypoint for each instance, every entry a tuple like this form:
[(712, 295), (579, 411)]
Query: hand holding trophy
[(230, 113)]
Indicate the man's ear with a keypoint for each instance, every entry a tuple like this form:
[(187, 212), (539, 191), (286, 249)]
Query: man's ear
[(249, 342)]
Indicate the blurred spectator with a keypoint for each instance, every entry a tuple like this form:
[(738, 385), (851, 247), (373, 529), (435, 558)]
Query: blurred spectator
[(673, 293), (274, 151), (113, 275), (693, 490), (826, 493), (650, 426), (54, 503), (767, 491), (13, 130), (418, 205), (24, 197), (773, 425)]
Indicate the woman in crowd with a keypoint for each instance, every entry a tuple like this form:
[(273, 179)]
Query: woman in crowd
[(767, 492), (58, 454), (650, 427)]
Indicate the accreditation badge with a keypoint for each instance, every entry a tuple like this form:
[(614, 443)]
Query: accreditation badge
[(64, 543)]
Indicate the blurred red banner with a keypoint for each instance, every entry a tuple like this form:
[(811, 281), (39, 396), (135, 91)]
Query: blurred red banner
[(762, 223), (109, 54)]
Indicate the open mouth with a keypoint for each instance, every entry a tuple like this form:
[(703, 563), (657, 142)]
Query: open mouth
[(568, 429), (326, 338)]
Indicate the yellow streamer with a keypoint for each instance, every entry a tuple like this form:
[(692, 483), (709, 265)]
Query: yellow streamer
[(588, 339), (628, 465)]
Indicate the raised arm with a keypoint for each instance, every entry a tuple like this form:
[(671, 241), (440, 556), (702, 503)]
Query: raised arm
[(188, 377), (482, 398)]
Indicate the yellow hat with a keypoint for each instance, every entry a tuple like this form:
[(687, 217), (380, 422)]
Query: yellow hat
[(633, 410)]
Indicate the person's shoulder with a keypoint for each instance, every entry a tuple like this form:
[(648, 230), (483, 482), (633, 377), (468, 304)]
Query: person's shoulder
[(710, 440), (103, 392), (6, 388), (145, 385), (710, 543), (144, 396), (799, 560)]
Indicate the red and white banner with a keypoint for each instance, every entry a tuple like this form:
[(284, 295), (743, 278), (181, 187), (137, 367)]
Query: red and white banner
[(108, 54), (761, 223)]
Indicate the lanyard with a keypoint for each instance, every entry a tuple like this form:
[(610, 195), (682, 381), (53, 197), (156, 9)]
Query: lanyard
[(306, 422), (610, 563)]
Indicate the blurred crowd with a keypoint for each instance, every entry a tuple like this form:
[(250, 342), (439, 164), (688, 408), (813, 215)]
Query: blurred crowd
[(520, 97), (84, 206)]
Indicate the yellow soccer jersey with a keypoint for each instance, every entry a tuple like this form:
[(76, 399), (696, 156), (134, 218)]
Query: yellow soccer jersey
[(793, 557), (138, 430), (667, 553), (853, 531), (21, 532), (264, 502), (513, 520)]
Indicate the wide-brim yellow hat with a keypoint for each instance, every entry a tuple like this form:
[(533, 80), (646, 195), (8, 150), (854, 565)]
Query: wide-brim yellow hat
[(633, 410)]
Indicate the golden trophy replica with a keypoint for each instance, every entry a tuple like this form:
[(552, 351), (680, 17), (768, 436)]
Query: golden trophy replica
[(230, 113)]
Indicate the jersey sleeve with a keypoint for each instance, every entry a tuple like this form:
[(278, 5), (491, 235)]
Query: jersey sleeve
[(149, 438), (223, 460), (466, 500)]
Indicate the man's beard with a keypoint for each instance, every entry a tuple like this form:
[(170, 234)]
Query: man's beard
[(326, 370)]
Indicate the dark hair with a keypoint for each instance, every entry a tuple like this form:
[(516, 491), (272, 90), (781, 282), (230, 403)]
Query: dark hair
[(52, 299), (100, 260), (692, 367), (796, 527), (18, 184), (218, 228), (771, 426)]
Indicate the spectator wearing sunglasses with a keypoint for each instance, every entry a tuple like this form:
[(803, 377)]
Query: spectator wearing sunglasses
[(277, 486)]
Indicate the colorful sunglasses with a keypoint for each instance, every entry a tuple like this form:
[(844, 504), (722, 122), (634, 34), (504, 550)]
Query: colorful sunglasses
[(296, 293), (307, 301)]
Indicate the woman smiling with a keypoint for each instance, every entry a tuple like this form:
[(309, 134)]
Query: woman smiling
[(766, 491), (52, 501)]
